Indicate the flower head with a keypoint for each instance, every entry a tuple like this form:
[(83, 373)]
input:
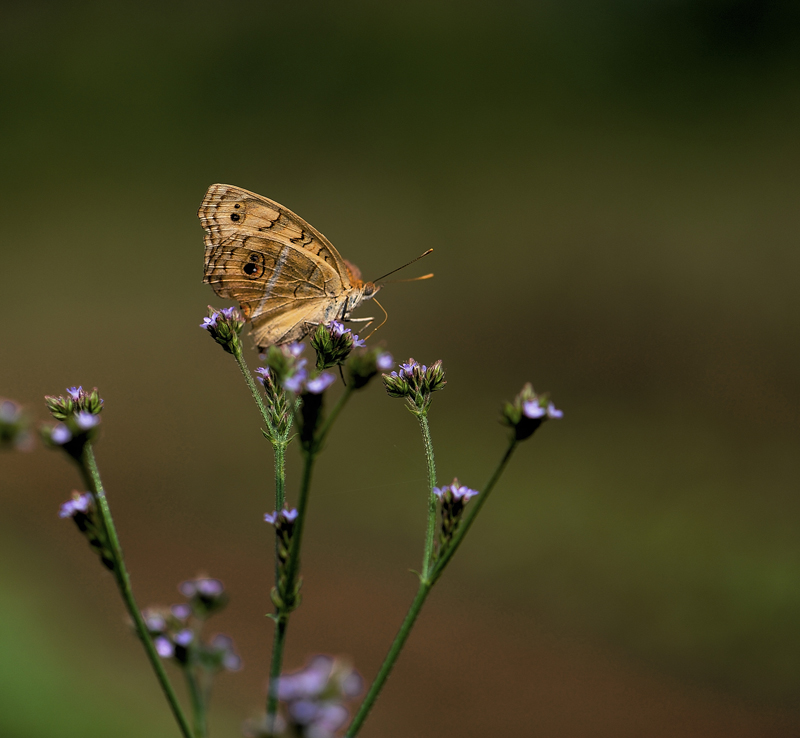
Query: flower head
[(14, 427), (528, 411), (333, 344), (415, 382), (81, 507), (205, 595), (224, 326)]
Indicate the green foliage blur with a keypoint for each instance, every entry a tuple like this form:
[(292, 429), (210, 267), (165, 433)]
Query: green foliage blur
[(611, 190)]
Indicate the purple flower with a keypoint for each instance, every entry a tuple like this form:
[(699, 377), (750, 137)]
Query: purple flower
[(183, 637), (263, 374), (295, 382), (80, 503), (202, 587), (85, 420), (358, 342), (319, 384), (385, 362), (553, 412), (164, 647), (75, 392), (533, 410), (60, 434), (155, 622), (288, 515), (458, 491), (209, 322), (181, 611), (295, 349), (407, 369), (337, 329)]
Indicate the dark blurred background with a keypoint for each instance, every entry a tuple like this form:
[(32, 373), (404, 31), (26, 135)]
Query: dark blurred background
[(611, 190)]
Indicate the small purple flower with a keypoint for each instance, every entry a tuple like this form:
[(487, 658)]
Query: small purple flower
[(290, 515), (533, 410), (209, 322), (263, 374), (458, 491), (78, 504), (407, 369), (181, 611), (337, 329), (358, 342), (275, 516), (385, 362), (295, 349), (60, 434), (553, 412), (209, 587), (85, 420), (183, 637), (319, 384), (295, 382), (155, 622), (75, 392), (164, 647)]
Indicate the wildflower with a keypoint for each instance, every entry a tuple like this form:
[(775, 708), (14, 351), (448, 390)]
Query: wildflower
[(284, 522), (528, 411), (363, 365), (81, 507), (224, 326), (77, 400), (416, 382), (14, 427), (315, 696), (453, 498), (319, 384), (205, 595), (333, 344)]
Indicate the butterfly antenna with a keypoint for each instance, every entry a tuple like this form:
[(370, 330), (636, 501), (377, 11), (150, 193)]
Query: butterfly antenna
[(413, 279), (403, 267), (385, 315)]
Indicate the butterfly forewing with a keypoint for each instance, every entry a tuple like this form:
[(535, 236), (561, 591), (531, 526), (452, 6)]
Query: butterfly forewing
[(229, 210)]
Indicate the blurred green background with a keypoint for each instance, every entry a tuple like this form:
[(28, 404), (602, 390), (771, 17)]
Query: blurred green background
[(612, 192)]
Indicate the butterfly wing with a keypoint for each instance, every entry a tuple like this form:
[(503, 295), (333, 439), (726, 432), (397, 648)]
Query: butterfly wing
[(228, 210), (280, 287)]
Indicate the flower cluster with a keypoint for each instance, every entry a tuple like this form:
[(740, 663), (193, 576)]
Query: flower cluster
[(205, 595), (284, 522), (78, 413), (333, 344), (224, 326), (286, 369), (176, 630), (315, 698), (81, 507), (528, 411), (364, 364), (76, 401), (416, 382), (453, 498), (14, 427)]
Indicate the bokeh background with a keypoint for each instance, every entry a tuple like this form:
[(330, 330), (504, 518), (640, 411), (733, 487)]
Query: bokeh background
[(612, 192)]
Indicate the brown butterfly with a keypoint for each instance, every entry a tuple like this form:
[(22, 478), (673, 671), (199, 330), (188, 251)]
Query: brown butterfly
[(285, 274)]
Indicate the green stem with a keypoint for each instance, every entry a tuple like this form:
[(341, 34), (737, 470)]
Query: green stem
[(91, 476), (426, 438), (281, 623), (476, 508), (251, 383), (293, 564), (326, 426), (198, 703), (391, 657)]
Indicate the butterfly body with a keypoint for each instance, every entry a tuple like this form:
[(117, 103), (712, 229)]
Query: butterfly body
[(285, 274)]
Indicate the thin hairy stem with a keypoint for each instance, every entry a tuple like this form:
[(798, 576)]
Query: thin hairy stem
[(91, 475), (253, 387), (198, 703), (429, 535), (281, 624), (293, 563)]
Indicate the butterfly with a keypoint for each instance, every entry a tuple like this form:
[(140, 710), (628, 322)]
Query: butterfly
[(286, 275)]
